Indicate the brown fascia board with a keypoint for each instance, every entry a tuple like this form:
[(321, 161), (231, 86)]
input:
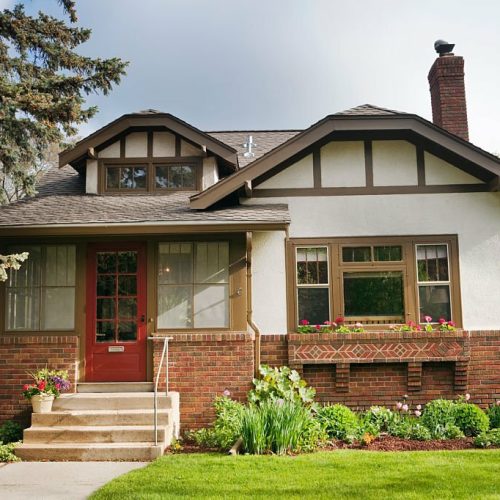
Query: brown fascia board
[(171, 122), (349, 123)]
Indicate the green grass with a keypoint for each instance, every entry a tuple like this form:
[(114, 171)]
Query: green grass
[(341, 474)]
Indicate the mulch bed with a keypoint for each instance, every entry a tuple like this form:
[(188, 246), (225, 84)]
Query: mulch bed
[(391, 443), (382, 443)]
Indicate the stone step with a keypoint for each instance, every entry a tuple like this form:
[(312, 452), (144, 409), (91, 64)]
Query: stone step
[(60, 452), (99, 417), (85, 387), (111, 401), (93, 434)]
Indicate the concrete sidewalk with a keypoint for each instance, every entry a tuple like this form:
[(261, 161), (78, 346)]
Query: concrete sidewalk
[(58, 480)]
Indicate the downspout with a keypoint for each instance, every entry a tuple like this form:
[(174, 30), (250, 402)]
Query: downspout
[(250, 321)]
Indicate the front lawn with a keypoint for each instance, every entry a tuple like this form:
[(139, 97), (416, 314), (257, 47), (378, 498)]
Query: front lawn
[(340, 474)]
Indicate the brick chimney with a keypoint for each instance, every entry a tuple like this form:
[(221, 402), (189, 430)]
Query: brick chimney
[(447, 85)]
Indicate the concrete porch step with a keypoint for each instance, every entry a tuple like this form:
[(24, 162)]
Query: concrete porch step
[(99, 417), (114, 387), (112, 401), (60, 452), (93, 434)]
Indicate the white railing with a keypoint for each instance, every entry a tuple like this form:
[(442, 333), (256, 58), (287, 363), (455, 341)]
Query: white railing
[(164, 356)]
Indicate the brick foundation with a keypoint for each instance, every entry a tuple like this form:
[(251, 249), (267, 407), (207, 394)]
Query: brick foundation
[(22, 354), (202, 367), (362, 369)]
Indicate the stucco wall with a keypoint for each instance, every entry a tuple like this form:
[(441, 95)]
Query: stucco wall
[(269, 282), (472, 216)]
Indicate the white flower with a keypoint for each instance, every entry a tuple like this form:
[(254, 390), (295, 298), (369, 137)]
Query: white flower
[(467, 397), (419, 407)]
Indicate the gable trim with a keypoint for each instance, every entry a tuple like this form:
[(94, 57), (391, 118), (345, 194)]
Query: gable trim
[(330, 124), (166, 120)]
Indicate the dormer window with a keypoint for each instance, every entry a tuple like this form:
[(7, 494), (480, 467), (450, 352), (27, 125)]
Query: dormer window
[(123, 176)]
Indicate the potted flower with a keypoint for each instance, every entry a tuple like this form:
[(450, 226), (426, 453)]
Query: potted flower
[(48, 385)]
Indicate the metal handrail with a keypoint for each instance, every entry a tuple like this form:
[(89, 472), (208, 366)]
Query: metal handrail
[(164, 354)]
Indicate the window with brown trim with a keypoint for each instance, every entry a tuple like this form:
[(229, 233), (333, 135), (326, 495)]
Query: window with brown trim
[(375, 281), (159, 176)]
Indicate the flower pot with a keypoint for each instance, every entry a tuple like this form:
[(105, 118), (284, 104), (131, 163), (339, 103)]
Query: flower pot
[(42, 403)]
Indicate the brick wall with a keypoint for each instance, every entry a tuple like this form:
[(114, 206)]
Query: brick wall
[(274, 350), (202, 367), (484, 367), (22, 354)]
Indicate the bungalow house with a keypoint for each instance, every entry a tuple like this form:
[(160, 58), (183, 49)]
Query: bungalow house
[(223, 242)]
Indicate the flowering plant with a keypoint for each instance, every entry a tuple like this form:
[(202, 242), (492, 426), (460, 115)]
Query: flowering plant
[(337, 326), (47, 382), (411, 326)]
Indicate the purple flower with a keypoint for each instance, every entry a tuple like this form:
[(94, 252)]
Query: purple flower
[(226, 393)]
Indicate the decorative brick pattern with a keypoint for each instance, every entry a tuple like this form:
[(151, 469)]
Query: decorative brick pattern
[(414, 376), (372, 348), (201, 367), (20, 355)]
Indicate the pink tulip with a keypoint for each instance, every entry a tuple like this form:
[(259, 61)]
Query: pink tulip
[(405, 408), (419, 407), (467, 397), (418, 413), (428, 319), (226, 393), (399, 405)]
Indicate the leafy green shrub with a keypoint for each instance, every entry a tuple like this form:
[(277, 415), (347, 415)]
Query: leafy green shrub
[(280, 383), (470, 419), (448, 431), (400, 426), (227, 425), (419, 432), (494, 415), (338, 421), (10, 432), (378, 416), (438, 414), (279, 427), (489, 438), (7, 453)]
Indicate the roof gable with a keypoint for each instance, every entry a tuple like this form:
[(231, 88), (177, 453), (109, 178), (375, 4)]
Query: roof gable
[(149, 118), (360, 121)]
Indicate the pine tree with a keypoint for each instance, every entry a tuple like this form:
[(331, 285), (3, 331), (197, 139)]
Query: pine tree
[(43, 85)]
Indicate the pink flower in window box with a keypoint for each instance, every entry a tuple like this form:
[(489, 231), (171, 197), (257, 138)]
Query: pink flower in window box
[(428, 319), (304, 322)]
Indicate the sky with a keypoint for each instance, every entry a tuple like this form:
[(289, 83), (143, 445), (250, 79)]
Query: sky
[(285, 64)]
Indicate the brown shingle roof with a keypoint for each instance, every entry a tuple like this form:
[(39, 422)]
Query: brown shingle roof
[(265, 141), (62, 200), (369, 110)]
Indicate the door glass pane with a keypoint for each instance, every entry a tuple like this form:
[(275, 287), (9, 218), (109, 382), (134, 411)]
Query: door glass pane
[(211, 306), (356, 254), (175, 306), (127, 262), (23, 308), (58, 308), (105, 309), (388, 253), (106, 285), (127, 308), (374, 294), (127, 330), (434, 302), (105, 331), (314, 305), (127, 285), (106, 262)]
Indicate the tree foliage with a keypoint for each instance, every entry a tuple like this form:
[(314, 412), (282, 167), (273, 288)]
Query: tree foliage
[(43, 85), (11, 261)]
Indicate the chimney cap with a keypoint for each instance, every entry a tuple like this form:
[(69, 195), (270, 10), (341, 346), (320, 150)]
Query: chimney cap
[(442, 47)]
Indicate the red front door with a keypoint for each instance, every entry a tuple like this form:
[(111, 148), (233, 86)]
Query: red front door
[(116, 313)]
